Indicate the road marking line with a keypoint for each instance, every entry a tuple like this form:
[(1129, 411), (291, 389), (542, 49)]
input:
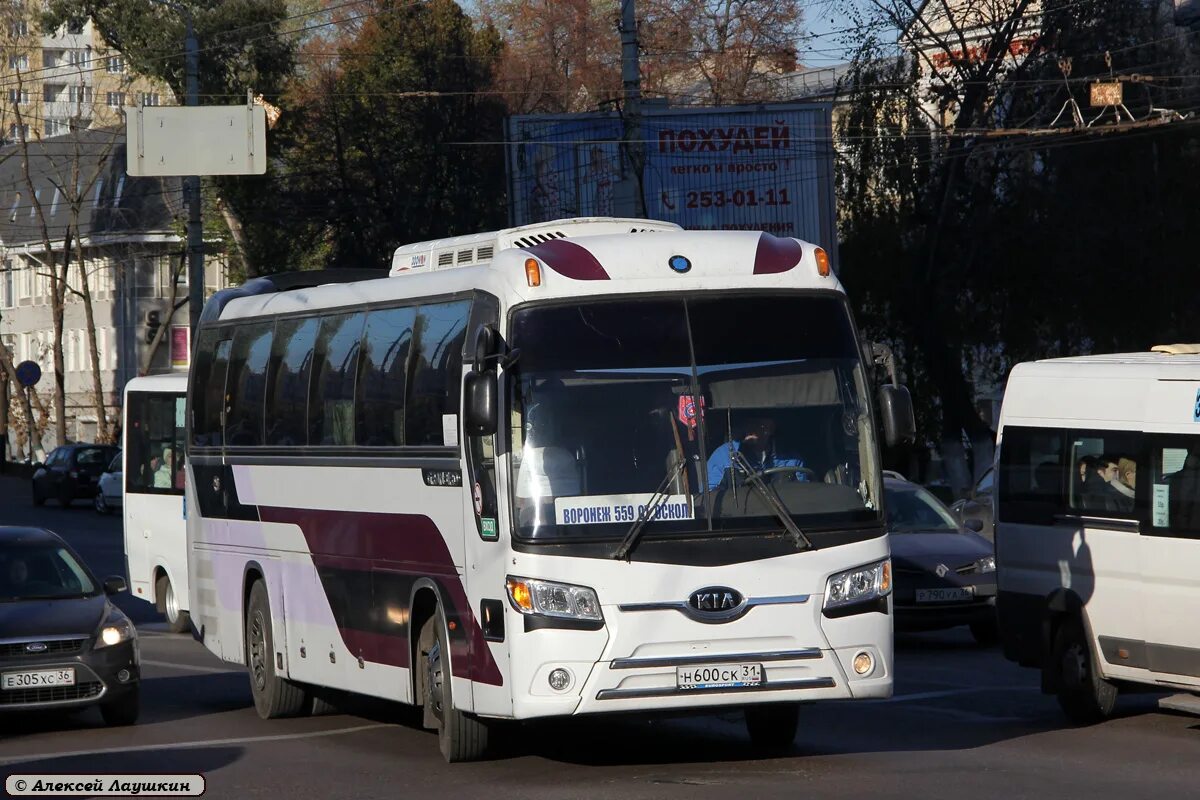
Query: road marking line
[(190, 745), (190, 667), (908, 698)]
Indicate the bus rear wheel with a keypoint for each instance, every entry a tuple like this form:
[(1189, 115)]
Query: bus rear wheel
[(1083, 694), (461, 737), (773, 727), (274, 696), (178, 620)]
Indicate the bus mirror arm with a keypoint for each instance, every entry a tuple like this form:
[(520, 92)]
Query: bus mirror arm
[(479, 402), (489, 346)]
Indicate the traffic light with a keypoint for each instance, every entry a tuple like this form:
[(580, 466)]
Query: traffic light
[(152, 325)]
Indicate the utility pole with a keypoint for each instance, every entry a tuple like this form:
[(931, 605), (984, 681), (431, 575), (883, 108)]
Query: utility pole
[(191, 190), (633, 197)]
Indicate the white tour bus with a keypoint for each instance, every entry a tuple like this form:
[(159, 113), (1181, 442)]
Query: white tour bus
[(152, 457), (1098, 525), (498, 483)]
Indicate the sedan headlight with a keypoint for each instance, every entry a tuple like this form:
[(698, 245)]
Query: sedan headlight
[(551, 599), (859, 585), (986, 564), (115, 631)]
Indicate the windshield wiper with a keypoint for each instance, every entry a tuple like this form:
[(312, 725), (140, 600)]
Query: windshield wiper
[(635, 530), (772, 500)]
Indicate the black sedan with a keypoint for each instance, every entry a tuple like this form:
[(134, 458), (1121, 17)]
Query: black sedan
[(945, 573), (71, 472), (63, 644)]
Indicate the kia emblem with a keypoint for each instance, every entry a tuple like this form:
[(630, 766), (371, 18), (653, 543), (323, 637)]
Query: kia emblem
[(35, 647), (715, 600)]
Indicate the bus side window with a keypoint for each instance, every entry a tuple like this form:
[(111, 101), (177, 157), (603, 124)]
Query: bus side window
[(288, 378), (331, 397), (208, 398), (382, 379), (437, 371)]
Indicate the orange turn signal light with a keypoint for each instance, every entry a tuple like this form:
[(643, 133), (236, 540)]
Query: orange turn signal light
[(885, 578), (822, 263), (519, 590), (533, 272)]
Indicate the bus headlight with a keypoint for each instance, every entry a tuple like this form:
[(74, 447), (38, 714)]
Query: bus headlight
[(551, 599), (859, 585)]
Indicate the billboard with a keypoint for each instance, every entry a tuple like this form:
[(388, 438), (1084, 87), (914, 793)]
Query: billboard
[(741, 168)]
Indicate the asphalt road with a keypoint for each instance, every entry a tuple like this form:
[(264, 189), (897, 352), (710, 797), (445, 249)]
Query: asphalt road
[(963, 723)]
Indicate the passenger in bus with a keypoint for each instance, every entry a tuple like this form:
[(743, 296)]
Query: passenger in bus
[(757, 444), (162, 475), (1104, 496), (1183, 493), (1126, 482)]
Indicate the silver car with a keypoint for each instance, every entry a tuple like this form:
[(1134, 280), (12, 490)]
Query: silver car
[(111, 487)]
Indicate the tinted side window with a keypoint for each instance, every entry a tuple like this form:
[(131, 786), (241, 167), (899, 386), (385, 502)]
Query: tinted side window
[(289, 373), (437, 372), (246, 384), (208, 394), (1173, 472), (1032, 474), (331, 401), (382, 378), (154, 443), (1103, 466)]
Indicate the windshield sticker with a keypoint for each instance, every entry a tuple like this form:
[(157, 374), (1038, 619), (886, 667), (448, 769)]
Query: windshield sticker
[(601, 509), (687, 413), (450, 430), (1161, 505), (487, 529)]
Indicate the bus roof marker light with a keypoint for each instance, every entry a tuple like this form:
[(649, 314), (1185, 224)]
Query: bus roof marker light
[(533, 272), (822, 262), (680, 264)]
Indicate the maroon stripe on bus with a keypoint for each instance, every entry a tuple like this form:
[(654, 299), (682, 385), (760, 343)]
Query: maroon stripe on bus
[(569, 260), (776, 255), (406, 543)]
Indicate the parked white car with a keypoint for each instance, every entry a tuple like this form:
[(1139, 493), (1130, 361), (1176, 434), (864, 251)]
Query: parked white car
[(111, 487)]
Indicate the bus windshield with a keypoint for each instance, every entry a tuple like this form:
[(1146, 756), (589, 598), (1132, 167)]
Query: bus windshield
[(706, 405)]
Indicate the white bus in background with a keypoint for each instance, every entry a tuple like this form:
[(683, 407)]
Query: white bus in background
[(1099, 569), (528, 475), (153, 508)]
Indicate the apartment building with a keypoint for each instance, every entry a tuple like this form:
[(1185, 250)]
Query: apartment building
[(131, 236), (56, 80)]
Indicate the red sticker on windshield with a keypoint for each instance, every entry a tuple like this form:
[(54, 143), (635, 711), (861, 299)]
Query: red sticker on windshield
[(687, 412)]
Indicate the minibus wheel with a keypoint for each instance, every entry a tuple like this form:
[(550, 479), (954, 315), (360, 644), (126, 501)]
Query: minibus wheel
[(1085, 696), (178, 620), (773, 727), (461, 737), (274, 696)]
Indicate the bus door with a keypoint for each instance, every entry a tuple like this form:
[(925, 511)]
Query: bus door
[(1170, 540)]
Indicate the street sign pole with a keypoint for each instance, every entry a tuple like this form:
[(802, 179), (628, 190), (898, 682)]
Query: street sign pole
[(195, 226)]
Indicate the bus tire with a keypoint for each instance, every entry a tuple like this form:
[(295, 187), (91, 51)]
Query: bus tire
[(461, 737), (178, 620), (1085, 697), (773, 727), (274, 697)]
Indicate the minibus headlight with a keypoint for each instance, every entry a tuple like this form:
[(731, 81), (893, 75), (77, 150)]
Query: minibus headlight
[(859, 585), (550, 599)]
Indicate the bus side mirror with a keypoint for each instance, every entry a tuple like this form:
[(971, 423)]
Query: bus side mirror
[(895, 407), (480, 415)]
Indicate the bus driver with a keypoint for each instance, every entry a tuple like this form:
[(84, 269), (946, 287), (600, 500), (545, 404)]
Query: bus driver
[(757, 445)]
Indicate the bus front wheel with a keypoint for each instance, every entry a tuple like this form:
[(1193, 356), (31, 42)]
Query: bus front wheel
[(1084, 695), (461, 737), (773, 727), (273, 695)]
